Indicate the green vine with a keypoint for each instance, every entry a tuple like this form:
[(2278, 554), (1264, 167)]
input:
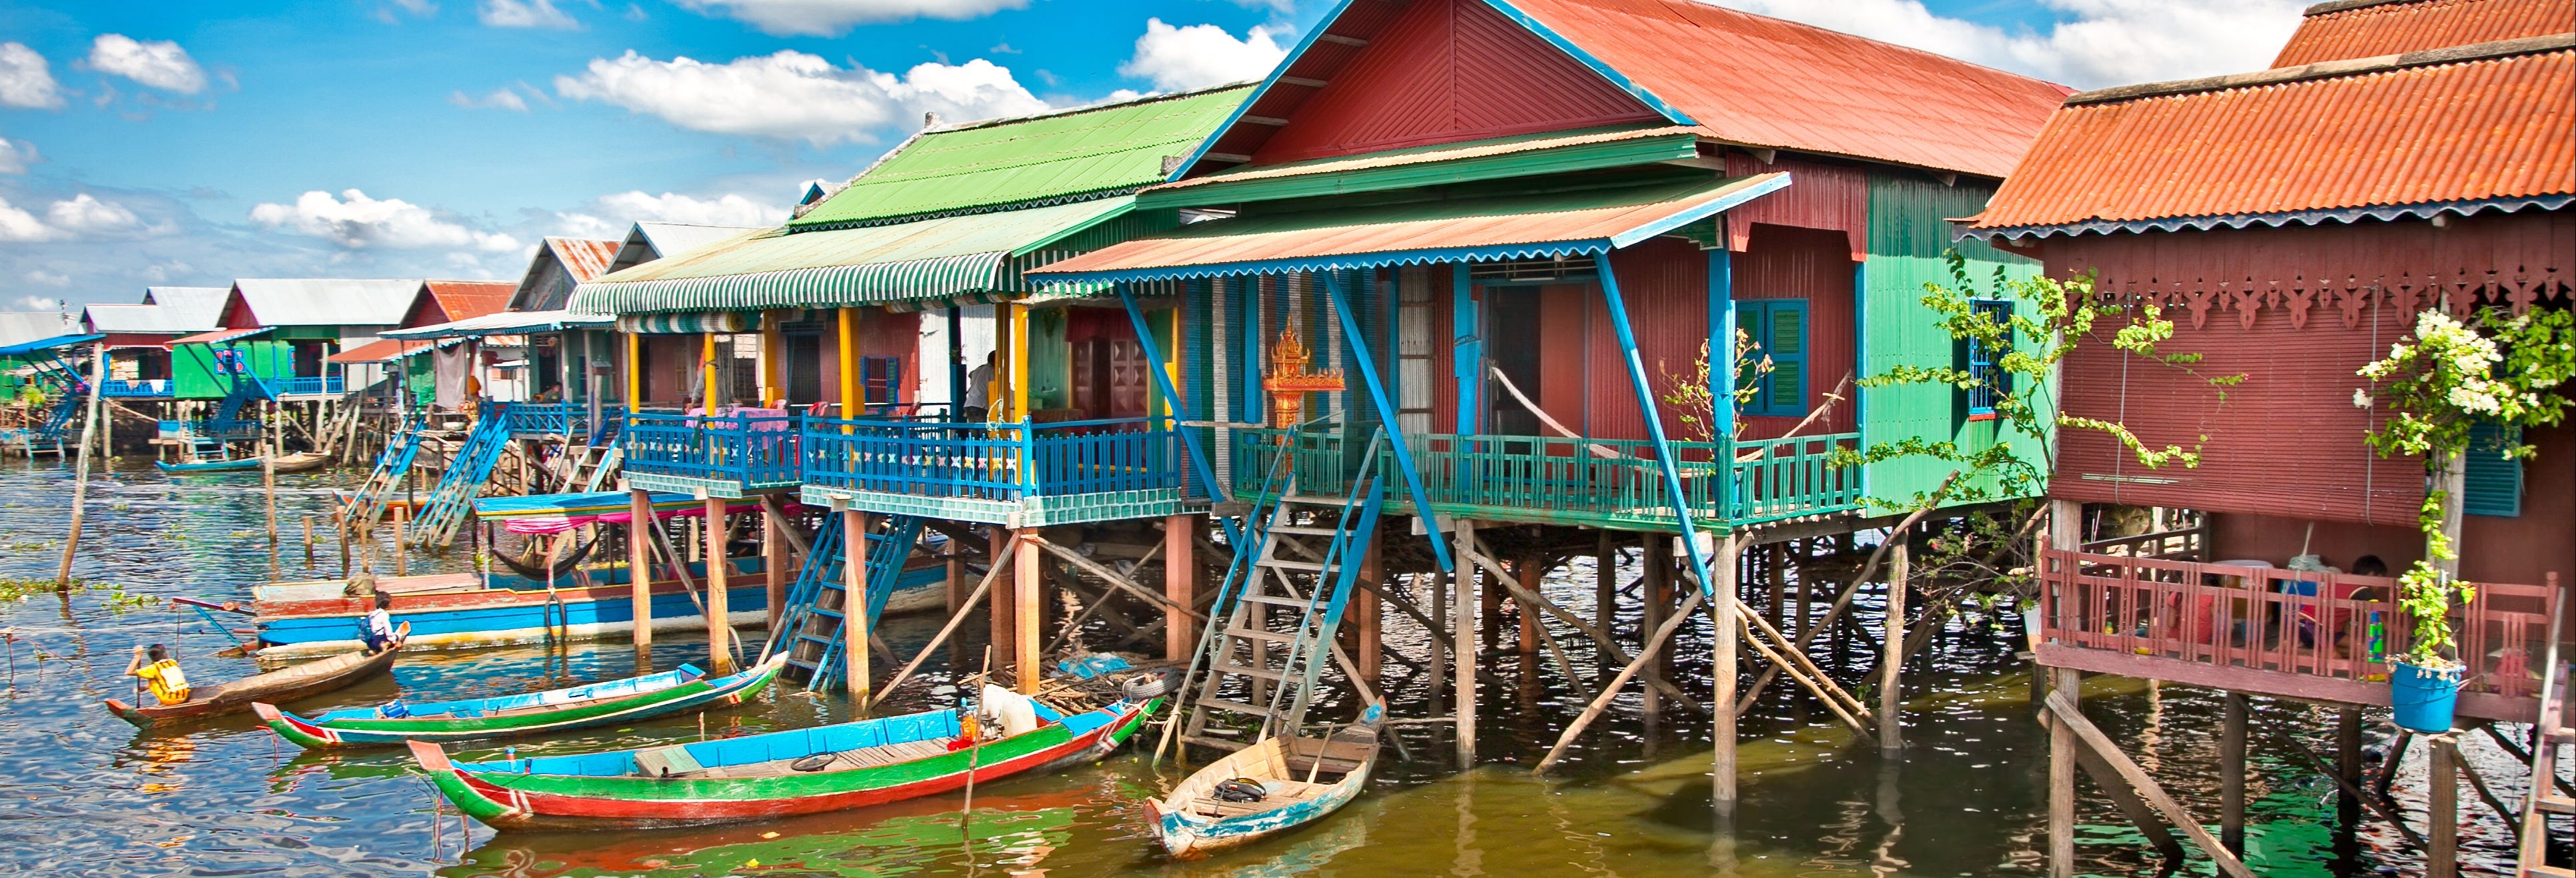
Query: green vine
[(2505, 371)]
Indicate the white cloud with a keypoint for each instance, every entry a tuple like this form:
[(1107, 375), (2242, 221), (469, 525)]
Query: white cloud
[(47, 278), (87, 214), (2103, 42), (26, 81), (160, 64), (19, 225), (355, 221), (832, 18), (16, 156), (40, 303), (609, 216), (500, 99), (793, 95), (1181, 58), (163, 272), (523, 13)]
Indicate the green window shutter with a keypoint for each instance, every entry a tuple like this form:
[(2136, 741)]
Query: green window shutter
[(1782, 333), (2494, 482)]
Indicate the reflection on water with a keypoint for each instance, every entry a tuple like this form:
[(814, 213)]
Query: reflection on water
[(90, 794)]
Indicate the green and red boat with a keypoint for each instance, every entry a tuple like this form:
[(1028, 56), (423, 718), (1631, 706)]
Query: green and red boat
[(780, 774), (595, 704)]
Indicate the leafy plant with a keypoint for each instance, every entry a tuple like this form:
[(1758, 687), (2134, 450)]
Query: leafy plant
[(2504, 370), (1696, 403)]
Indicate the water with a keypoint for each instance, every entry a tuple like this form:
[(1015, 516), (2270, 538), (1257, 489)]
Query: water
[(92, 795)]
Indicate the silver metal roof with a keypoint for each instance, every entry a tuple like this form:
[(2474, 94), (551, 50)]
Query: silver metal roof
[(327, 302), (20, 327), (650, 241)]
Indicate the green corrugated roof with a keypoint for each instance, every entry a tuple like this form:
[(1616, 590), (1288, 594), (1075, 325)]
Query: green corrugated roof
[(1029, 161)]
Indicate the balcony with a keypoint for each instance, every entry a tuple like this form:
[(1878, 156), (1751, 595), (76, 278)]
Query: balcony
[(1017, 475), (1614, 483), (544, 420), (737, 454), (2289, 633), (319, 385), (129, 388)]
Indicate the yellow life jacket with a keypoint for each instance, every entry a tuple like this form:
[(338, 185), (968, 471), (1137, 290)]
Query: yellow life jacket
[(165, 680)]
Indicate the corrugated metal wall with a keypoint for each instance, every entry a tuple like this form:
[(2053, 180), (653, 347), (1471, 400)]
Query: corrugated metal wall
[(1820, 196), (1907, 240), (1811, 264), (1447, 71), (1664, 282)]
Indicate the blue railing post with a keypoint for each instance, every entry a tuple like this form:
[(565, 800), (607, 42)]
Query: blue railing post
[(1163, 380), (1386, 415), (1654, 422)]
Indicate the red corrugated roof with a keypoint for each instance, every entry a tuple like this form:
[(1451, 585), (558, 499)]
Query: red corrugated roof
[(2370, 28), (379, 351), (470, 298), (584, 259), (2498, 124), (1766, 82)]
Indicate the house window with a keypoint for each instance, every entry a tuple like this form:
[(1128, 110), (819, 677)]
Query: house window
[(880, 380), (2493, 482), (1984, 360), (1778, 328)]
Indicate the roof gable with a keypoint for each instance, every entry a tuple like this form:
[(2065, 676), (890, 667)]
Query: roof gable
[(1445, 71), (2370, 28), (442, 301), (318, 302), (1093, 152), (544, 285)]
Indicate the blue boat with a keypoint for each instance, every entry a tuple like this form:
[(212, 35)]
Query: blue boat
[(1267, 789)]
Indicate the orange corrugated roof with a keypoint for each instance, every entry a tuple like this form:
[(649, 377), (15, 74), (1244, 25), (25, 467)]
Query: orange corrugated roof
[(470, 298), (1765, 82), (378, 351), (584, 259), (2497, 124), (2370, 28)]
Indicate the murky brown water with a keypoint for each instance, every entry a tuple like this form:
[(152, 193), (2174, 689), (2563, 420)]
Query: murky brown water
[(95, 796)]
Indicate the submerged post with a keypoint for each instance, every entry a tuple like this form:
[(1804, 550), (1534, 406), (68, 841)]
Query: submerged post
[(639, 562), (1025, 614), (855, 622), (1723, 612), (2061, 779), (1181, 584), (80, 471), (719, 616), (2442, 805), (1464, 640), (1891, 662), (2231, 775)]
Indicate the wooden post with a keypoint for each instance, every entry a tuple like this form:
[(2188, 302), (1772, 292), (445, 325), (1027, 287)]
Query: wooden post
[(1891, 661), (719, 632), (1365, 604), (639, 560), (2442, 803), (2231, 774), (1025, 610), (956, 555), (1605, 589), (1657, 593), (80, 471), (402, 551), (1527, 569), (1465, 640), (776, 560), (1440, 661), (1019, 321), (1181, 584), (999, 614), (1490, 598), (2347, 766), (634, 371), (2061, 778), (1723, 567), (854, 604), (707, 372)]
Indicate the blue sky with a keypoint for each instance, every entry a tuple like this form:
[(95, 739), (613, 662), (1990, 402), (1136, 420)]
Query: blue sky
[(194, 142)]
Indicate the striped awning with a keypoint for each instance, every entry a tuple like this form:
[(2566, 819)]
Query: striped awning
[(880, 283), (687, 323)]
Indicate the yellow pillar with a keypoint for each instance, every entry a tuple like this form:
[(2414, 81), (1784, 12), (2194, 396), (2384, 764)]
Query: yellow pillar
[(848, 318), (634, 371), (707, 373), (1019, 347), (771, 393)]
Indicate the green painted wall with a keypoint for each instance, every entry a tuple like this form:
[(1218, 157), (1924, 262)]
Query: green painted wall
[(192, 366), (1907, 240), (1050, 360)]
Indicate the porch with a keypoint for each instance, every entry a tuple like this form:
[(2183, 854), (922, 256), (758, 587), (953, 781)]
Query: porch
[(1023, 474), (313, 385), (2287, 633), (743, 453), (1606, 483), (136, 388)]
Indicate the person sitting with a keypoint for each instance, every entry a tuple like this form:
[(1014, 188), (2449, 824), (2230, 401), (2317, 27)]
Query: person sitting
[(380, 625), (159, 674)]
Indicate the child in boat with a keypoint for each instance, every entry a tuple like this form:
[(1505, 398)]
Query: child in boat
[(159, 674), (380, 624)]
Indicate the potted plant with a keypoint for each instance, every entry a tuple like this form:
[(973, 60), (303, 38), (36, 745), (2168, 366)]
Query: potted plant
[(2451, 379)]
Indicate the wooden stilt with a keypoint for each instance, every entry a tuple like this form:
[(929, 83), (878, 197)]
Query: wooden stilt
[(1891, 662), (1181, 584), (719, 633), (2442, 807), (857, 632), (1026, 608), (639, 563), (1605, 589), (1369, 613), (956, 556), (1492, 602), (2066, 686), (1465, 639), (402, 551), (2348, 768), (80, 470), (1527, 570), (1443, 655), (777, 558), (1657, 592), (999, 613), (1724, 567), (2231, 774)]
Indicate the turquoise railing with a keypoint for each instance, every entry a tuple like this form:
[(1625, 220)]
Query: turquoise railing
[(126, 388), (1004, 462), (1578, 480), (751, 450), (302, 386), (551, 418)]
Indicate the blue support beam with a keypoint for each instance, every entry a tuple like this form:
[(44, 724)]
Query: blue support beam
[(1721, 345), (1654, 420), (1180, 409), (1467, 347), (1386, 415)]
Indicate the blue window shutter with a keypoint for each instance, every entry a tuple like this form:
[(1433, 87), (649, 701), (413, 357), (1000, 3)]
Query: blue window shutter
[(1983, 360), (2493, 482)]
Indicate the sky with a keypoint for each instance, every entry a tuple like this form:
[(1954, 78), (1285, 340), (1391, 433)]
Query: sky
[(145, 142)]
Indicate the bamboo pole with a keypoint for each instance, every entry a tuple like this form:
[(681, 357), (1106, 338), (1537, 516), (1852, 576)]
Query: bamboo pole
[(1653, 646), (1891, 700), (80, 471), (963, 610)]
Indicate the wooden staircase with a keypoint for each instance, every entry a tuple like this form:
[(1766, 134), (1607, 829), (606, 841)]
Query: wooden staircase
[(813, 626), (1265, 658)]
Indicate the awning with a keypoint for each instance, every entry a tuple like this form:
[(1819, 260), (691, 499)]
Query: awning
[(47, 344), (935, 259), (1548, 225), (505, 323), (218, 336), (384, 351), (690, 323)]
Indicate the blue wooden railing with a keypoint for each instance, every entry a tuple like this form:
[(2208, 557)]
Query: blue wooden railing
[(744, 449), (551, 418), (1002, 462), (116, 388), (302, 386)]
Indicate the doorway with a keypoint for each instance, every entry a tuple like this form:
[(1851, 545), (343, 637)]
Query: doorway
[(1512, 348)]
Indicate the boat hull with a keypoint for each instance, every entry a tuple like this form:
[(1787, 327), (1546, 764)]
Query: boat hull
[(289, 684), (1189, 837), (213, 466), (511, 801), (703, 693)]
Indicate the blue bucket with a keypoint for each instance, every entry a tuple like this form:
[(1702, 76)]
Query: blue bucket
[(2425, 698)]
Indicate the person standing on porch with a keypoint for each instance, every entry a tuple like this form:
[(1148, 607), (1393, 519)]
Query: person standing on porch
[(979, 390)]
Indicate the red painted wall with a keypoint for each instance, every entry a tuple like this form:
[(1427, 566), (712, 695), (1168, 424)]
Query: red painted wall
[(1810, 264), (1447, 71), (1820, 196), (2520, 549)]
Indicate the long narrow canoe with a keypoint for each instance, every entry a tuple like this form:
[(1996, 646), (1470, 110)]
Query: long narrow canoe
[(283, 685), (209, 466), (615, 701), (302, 461), (780, 774), (1301, 781)]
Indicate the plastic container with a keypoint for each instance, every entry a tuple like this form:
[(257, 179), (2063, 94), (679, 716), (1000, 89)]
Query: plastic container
[(2425, 699)]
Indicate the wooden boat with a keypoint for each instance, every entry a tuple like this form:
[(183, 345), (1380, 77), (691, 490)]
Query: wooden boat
[(595, 704), (780, 774), (209, 466), (278, 686), (303, 461), (1301, 781)]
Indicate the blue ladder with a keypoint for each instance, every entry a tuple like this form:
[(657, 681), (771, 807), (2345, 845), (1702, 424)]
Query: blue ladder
[(813, 626), (453, 501), (367, 506)]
